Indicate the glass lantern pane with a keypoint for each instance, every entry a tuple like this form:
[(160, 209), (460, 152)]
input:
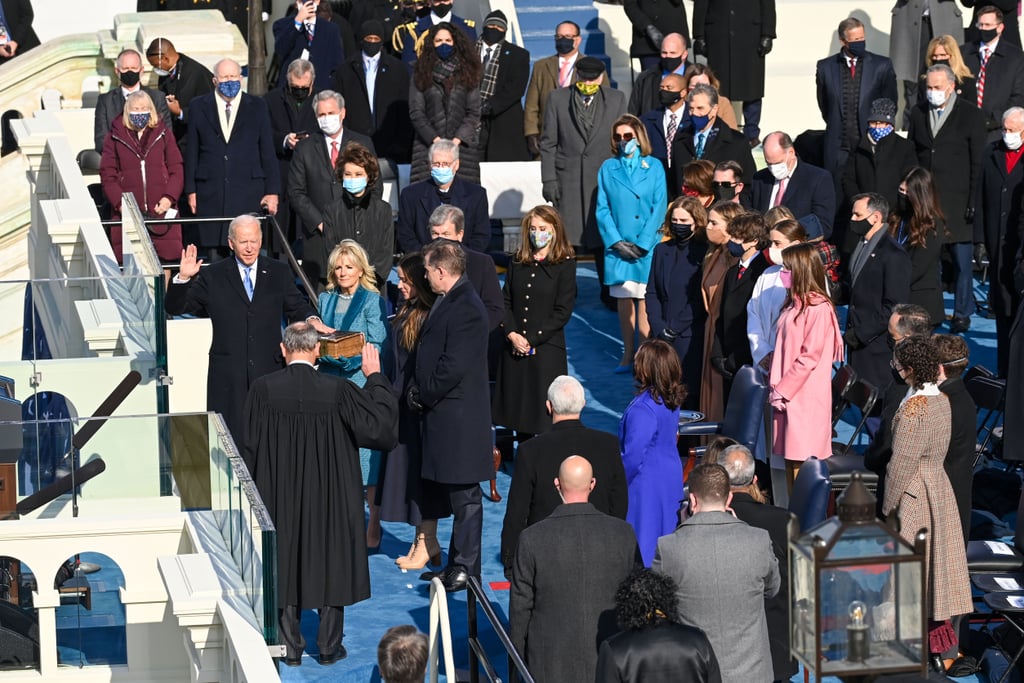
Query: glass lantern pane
[(870, 540), (802, 613)]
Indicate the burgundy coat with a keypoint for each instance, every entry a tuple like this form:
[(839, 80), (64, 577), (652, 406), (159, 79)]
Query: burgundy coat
[(150, 168)]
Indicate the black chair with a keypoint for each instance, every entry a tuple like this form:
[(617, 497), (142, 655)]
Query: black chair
[(845, 461), (744, 415), (996, 557), (842, 381), (1010, 606), (811, 493), (988, 394)]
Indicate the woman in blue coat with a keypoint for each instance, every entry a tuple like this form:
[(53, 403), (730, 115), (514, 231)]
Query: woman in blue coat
[(352, 303), (631, 198), (647, 435)]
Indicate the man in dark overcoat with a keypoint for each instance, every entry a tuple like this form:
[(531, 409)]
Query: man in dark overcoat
[(303, 434), (651, 20), (181, 79), (954, 356), (506, 73)]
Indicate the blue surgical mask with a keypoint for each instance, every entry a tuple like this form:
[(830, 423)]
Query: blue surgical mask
[(735, 248), (354, 185), (444, 51), (700, 122), (441, 175), (139, 119), (229, 89), (877, 134), (627, 147)]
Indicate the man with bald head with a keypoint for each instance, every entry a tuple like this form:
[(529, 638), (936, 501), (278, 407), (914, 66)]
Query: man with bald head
[(665, 122), (567, 569), (181, 80), (646, 88)]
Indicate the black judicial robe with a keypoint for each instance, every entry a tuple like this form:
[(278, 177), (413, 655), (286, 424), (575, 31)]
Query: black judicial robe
[(303, 433)]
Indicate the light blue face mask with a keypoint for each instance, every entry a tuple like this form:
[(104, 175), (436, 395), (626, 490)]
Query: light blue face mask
[(354, 185), (229, 89), (627, 147), (442, 176)]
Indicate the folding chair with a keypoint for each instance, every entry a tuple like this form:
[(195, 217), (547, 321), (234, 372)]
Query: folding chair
[(997, 558), (844, 461), (989, 394), (842, 380)]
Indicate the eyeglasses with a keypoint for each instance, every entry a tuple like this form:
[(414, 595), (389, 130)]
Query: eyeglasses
[(724, 183), (441, 164), (625, 136)]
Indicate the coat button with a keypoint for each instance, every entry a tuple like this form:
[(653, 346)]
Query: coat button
[(528, 285), (526, 308)]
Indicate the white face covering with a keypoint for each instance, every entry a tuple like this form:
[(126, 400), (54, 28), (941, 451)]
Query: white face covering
[(775, 254), (779, 170), (1012, 141), (937, 98), (330, 123)]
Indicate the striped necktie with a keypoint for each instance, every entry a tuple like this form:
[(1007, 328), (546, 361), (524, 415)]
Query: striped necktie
[(981, 75)]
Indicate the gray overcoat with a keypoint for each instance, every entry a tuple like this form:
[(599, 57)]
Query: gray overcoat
[(905, 47)]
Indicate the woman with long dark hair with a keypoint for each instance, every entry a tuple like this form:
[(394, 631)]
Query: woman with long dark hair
[(540, 292), (647, 438), (807, 342), (918, 225), (444, 100)]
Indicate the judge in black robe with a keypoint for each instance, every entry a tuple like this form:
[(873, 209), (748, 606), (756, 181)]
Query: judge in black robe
[(303, 433)]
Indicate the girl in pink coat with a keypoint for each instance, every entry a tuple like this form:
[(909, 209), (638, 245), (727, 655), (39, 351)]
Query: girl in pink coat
[(808, 340)]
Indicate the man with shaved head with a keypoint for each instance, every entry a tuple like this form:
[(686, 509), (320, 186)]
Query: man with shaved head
[(567, 568), (644, 96), (667, 119)]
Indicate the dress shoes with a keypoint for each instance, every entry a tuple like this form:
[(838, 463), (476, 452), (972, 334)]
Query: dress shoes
[(455, 579), (959, 325), (340, 653), (290, 661)]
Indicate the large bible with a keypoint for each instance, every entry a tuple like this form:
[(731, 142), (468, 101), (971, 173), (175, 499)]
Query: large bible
[(342, 344)]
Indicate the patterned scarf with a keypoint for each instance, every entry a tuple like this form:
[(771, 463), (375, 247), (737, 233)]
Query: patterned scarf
[(490, 79), (444, 70)]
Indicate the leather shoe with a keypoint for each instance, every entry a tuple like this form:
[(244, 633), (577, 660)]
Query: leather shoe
[(455, 579), (293, 662), (959, 325), (340, 653)]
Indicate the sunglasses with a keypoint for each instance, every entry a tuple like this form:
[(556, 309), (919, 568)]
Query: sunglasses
[(723, 183), (625, 136)]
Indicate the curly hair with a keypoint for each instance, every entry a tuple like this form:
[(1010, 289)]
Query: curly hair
[(657, 370), (692, 206), (646, 598), (919, 357), (356, 154), (469, 72), (749, 227), (954, 354)]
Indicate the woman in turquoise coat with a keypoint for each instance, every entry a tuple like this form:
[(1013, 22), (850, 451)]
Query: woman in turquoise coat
[(353, 303), (631, 201)]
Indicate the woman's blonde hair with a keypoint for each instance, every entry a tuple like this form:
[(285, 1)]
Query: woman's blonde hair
[(135, 98), (356, 255), (956, 60)]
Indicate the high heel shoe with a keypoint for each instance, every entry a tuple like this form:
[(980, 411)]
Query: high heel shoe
[(427, 548), (412, 549)]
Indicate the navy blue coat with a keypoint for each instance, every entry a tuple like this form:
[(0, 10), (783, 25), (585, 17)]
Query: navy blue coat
[(325, 50), (229, 177), (419, 200), (811, 190), (451, 373)]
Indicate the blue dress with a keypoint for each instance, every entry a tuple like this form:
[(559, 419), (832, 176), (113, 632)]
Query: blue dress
[(364, 312), (654, 472)]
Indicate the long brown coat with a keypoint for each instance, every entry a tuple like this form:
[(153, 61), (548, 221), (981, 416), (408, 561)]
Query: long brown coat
[(917, 483), (716, 264)]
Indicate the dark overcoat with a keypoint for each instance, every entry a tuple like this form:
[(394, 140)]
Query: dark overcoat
[(668, 16), (501, 121), (368, 221), (733, 30), (959, 462), (418, 200), (811, 190), (878, 168), (388, 123), (189, 80), (1004, 81), (325, 51), (722, 144), (19, 17), (1013, 430), (905, 48), (997, 224), (667, 653), (453, 115), (731, 341), (110, 107)]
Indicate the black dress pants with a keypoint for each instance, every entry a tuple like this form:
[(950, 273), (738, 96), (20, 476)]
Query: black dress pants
[(328, 636), (467, 527)]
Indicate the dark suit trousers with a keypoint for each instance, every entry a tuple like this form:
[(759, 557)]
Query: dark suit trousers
[(328, 636), (467, 528)]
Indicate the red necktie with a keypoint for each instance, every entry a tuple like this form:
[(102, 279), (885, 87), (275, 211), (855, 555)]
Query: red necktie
[(739, 273), (334, 153), (853, 68), (981, 75)]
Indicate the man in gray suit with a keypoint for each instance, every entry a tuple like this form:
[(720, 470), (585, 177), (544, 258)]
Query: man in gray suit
[(567, 569), (725, 569), (574, 143)]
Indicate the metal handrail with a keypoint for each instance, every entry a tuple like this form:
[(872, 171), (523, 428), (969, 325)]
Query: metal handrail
[(477, 654)]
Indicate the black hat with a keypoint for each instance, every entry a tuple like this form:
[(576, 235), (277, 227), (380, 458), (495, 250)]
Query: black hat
[(589, 68), (883, 109), (812, 225), (496, 18), (371, 27)]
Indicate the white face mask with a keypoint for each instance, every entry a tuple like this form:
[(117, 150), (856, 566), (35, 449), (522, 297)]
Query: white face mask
[(779, 170), (1012, 140), (775, 254), (161, 72), (330, 123), (937, 98)]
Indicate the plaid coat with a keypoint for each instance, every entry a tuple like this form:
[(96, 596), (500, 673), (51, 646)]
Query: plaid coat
[(917, 483)]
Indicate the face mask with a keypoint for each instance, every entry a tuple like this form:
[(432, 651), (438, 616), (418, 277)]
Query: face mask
[(735, 248), (161, 72), (944, 60), (668, 98), (442, 176), (861, 227), (492, 35), (564, 46), (700, 122), (540, 239), (139, 119), (892, 345), (786, 278), (298, 93), (902, 204), (1012, 140), (422, 12), (775, 255), (129, 78), (371, 49), (937, 98), (987, 35), (857, 48), (723, 193), (779, 170), (354, 185), (587, 89), (229, 89), (681, 232), (444, 51), (627, 147), (330, 123), (442, 9), (670, 64), (877, 134)]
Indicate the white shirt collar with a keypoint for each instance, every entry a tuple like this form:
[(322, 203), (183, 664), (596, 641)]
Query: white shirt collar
[(563, 60), (299, 361)]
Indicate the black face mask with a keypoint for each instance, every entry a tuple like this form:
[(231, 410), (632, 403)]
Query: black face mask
[(670, 64), (492, 35), (668, 98), (564, 46), (129, 78), (987, 35), (941, 61), (442, 9), (371, 49), (857, 48), (298, 93), (892, 345), (725, 193), (903, 204), (422, 12), (861, 227), (681, 232)]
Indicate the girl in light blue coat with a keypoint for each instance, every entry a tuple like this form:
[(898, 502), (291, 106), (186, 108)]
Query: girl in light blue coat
[(631, 200)]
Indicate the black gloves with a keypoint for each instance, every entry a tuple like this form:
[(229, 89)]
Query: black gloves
[(851, 340), (412, 398), (551, 192), (654, 35), (533, 144), (719, 364), (700, 47), (668, 335), (765, 46), (969, 214), (628, 251)]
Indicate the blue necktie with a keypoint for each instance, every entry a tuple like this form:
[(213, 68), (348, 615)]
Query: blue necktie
[(248, 283), (700, 145)]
